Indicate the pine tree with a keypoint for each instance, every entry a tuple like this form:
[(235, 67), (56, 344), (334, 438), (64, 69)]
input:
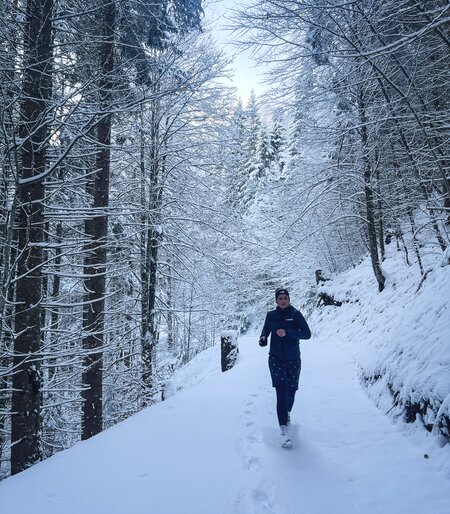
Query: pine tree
[(36, 95)]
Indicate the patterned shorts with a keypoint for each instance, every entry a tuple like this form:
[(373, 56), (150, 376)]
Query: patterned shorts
[(284, 372)]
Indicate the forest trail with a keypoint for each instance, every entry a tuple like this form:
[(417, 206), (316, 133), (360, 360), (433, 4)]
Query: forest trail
[(214, 448)]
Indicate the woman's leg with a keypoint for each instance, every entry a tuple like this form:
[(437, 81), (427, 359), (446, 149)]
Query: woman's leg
[(290, 398), (285, 380), (282, 403), (293, 373)]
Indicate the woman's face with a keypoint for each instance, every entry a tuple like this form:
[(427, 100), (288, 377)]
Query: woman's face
[(283, 301)]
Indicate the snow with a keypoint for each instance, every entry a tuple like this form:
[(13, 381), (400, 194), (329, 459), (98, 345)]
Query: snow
[(214, 446), (446, 257), (231, 334), (400, 336)]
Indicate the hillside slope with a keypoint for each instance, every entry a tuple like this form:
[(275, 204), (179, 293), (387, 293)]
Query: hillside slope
[(400, 337)]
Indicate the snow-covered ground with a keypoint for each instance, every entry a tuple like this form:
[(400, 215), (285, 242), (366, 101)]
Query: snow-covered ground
[(400, 338), (214, 448)]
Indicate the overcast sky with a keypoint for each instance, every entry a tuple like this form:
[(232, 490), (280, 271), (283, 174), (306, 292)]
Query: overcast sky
[(246, 75)]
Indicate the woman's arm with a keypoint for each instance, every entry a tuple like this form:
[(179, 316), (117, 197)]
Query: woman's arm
[(302, 331), (266, 328), (265, 332)]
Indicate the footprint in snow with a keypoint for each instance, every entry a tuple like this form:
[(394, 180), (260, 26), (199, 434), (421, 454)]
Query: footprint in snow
[(263, 501), (253, 463), (255, 437), (253, 501)]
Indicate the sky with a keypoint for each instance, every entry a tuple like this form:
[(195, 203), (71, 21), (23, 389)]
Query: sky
[(247, 76)]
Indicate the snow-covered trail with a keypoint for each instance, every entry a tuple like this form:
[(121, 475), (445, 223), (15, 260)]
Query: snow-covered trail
[(214, 449)]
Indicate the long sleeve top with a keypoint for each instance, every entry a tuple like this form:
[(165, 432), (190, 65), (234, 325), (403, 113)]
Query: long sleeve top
[(296, 327)]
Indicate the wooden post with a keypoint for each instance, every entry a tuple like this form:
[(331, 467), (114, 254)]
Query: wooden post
[(229, 349)]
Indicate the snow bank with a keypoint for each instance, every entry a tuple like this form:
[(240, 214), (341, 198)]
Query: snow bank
[(204, 365), (400, 337), (232, 335)]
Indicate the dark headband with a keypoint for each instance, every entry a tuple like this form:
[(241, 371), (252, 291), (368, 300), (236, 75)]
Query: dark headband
[(281, 291)]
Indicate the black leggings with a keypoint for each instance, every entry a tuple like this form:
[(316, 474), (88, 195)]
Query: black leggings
[(285, 401)]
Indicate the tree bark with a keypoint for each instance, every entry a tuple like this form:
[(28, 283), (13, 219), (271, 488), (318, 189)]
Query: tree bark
[(170, 314), (149, 267), (37, 91), (96, 230), (56, 285), (368, 192)]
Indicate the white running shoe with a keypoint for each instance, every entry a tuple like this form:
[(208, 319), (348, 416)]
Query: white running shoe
[(285, 439), (287, 443)]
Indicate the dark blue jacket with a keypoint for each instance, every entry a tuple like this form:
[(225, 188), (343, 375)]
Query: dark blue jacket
[(286, 348)]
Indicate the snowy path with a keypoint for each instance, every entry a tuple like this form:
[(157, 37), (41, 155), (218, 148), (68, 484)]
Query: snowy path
[(214, 449)]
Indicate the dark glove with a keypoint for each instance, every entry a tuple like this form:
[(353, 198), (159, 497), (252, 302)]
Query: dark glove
[(263, 341)]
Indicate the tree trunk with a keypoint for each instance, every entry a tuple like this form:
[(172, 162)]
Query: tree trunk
[(97, 230), (149, 267), (414, 239), (170, 316), (44, 294), (146, 347), (380, 212), (368, 192), (37, 90), (54, 320)]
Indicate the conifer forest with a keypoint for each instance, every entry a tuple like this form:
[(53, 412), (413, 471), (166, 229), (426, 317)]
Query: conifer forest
[(144, 206)]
